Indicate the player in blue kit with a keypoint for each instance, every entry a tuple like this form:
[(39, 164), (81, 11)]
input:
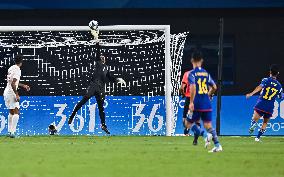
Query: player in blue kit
[(202, 88), (270, 89)]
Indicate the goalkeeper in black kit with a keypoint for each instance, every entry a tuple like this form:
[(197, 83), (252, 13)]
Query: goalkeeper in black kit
[(100, 75)]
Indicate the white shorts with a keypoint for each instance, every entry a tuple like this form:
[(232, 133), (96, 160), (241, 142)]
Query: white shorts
[(11, 102)]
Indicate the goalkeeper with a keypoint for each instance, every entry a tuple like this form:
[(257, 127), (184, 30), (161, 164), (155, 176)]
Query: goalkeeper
[(100, 76)]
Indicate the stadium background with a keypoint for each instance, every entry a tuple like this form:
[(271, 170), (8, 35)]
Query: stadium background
[(253, 36)]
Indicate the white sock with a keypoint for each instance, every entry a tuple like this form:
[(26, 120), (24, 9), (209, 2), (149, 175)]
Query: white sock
[(10, 123), (15, 120)]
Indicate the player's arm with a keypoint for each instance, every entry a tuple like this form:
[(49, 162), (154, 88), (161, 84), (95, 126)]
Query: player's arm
[(192, 96), (191, 81), (281, 94), (26, 87), (13, 84), (212, 88), (256, 90), (114, 79), (182, 89), (184, 84)]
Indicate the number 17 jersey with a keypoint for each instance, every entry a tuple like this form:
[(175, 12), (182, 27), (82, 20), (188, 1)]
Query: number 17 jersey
[(202, 79), (271, 89)]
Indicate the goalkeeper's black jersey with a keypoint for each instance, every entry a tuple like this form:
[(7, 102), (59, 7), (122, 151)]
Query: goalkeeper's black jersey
[(100, 74)]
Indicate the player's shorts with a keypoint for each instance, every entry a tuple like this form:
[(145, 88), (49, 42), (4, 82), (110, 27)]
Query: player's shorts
[(11, 102), (204, 116), (263, 114), (186, 106)]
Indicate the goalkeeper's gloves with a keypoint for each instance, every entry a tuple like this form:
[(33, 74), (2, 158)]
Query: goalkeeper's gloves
[(120, 80), (95, 33)]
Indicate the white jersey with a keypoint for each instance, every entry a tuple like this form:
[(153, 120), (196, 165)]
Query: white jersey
[(14, 72)]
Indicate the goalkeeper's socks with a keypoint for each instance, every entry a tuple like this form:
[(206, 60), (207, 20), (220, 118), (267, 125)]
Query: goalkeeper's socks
[(260, 133), (214, 136)]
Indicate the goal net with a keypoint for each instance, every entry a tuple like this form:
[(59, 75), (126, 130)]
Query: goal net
[(59, 60)]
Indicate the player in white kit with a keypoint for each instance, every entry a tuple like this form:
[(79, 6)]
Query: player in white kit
[(11, 95)]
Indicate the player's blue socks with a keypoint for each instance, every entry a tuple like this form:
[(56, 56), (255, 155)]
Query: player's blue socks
[(252, 123), (260, 133), (214, 136), (196, 130), (203, 134)]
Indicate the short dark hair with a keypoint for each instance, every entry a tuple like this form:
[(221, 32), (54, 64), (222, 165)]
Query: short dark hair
[(196, 56), (18, 59), (274, 70)]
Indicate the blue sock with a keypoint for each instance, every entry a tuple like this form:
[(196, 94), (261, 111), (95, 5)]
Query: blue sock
[(196, 130), (214, 135), (252, 122), (203, 134), (260, 133)]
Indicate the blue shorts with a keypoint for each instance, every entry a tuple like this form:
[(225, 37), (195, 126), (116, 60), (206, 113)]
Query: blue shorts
[(263, 114), (204, 116)]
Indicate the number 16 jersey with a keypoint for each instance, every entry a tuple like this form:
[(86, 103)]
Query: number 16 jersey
[(202, 79), (271, 89)]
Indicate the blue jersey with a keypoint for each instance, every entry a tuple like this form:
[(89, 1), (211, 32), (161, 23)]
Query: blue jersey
[(202, 79), (271, 89)]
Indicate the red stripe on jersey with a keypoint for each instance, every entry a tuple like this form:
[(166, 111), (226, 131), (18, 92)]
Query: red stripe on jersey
[(262, 110)]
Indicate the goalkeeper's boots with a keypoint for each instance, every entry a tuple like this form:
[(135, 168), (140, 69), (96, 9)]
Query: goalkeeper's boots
[(104, 128), (195, 140), (252, 128), (217, 148), (208, 140)]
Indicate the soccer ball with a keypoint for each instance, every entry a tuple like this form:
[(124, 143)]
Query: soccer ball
[(93, 24)]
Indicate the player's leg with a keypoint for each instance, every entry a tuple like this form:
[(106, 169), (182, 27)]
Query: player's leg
[(10, 123), (78, 107), (206, 136), (100, 97), (256, 116), (262, 130), (14, 107), (207, 121), (186, 124), (89, 93), (10, 104), (14, 122), (195, 128)]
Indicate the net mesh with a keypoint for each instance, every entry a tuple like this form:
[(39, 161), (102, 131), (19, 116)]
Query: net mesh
[(62, 61)]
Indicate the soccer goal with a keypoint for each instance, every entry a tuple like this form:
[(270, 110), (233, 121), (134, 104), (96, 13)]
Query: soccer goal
[(148, 56)]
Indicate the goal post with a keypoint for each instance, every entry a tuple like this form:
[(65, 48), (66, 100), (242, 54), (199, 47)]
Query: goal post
[(170, 121)]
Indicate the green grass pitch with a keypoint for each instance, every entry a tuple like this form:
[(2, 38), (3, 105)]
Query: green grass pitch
[(132, 156)]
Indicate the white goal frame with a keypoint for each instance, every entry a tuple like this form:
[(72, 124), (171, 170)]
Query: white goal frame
[(166, 28)]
